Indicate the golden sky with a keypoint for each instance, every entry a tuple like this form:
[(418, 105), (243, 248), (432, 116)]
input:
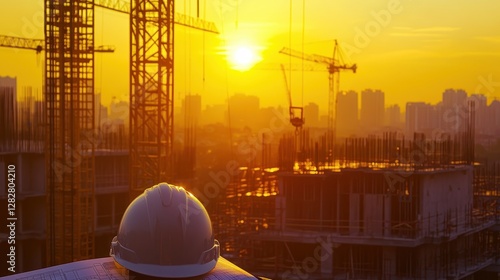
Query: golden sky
[(412, 50)]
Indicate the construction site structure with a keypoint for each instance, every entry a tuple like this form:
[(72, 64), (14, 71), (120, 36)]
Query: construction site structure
[(69, 97), (22, 144), (111, 198), (377, 215), (388, 207), (71, 135)]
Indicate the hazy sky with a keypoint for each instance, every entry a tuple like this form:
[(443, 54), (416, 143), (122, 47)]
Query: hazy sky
[(412, 50)]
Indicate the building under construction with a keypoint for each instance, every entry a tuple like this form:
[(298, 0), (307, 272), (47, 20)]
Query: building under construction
[(375, 208), (22, 144)]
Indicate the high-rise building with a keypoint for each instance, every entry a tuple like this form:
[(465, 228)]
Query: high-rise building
[(480, 113), (347, 114), (311, 115), (393, 117), (213, 114), (453, 111), (454, 97), (8, 109), (493, 113), (372, 110), (420, 118)]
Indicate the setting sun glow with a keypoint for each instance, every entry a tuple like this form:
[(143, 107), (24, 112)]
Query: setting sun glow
[(243, 57)]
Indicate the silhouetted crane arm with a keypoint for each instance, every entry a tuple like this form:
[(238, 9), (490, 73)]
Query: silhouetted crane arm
[(180, 19), (21, 43), (333, 65), (115, 5), (309, 57), (196, 23), (37, 44)]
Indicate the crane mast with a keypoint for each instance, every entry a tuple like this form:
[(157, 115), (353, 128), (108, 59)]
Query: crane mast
[(151, 93)]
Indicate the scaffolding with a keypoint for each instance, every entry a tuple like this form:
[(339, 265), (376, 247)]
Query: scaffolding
[(69, 100), (246, 207)]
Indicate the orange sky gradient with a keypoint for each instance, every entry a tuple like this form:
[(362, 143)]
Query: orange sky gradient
[(412, 50)]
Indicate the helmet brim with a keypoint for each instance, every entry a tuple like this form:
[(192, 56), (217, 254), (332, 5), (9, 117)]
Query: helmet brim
[(177, 271), (206, 263)]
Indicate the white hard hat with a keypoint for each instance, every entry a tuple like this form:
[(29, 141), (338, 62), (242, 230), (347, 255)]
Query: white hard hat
[(166, 232)]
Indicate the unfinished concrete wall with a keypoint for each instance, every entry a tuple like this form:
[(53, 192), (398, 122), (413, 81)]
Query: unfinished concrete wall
[(447, 200), (374, 214), (31, 177)]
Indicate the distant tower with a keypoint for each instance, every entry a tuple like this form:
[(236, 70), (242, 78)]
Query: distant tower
[(452, 97), (8, 109), (494, 118), (453, 111), (481, 113), (372, 110), (311, 115), (347, 114), (393, 116), (420, 118)]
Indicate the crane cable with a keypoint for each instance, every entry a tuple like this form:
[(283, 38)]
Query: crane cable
[(290, 47), (227, 83), (303, 39), (204, 43)]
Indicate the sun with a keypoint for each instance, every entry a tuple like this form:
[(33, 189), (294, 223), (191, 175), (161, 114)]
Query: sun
[(243, 57)]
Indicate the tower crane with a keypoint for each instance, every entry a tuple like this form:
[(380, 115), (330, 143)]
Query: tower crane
[(296, 120), (38, 44), (69, 104), (333, 65), (151, 85)]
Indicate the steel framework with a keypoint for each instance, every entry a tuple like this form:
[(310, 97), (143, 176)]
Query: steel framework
[(69, 101), (151, 86), (151, 92)]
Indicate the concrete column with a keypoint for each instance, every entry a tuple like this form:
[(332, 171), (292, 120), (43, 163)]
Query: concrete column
[(327, 261), (280, 207), (324, 254)]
